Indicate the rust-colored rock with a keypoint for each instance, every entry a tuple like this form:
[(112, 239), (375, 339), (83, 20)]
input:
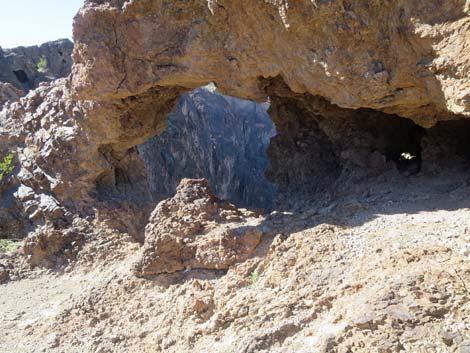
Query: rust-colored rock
[(401, 57), (75, 138), (47, 245)]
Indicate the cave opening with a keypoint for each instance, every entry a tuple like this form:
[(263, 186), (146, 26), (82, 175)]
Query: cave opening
[(21, 76), (220, 138), (207, 135), (447, 145), (295, 148), (394, 141), (321, 147)]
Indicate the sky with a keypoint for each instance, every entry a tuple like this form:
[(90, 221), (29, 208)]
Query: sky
[(30, 22)]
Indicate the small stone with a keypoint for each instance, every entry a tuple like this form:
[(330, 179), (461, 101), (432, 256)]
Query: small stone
[(143, 334), (115, 338), (447, 336), (399, 313), (52, 340), (291, 259), (465, 347), (366, 321), (4, 275)]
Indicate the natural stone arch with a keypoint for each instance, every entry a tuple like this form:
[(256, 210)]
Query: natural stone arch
[(133, 59), (136, 58), (378, 55)]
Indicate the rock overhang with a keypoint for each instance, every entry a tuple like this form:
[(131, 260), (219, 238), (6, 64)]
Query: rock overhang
[(397, 57)]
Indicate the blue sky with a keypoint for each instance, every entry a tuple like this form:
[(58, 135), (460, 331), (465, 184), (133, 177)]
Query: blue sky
[(29, 22)]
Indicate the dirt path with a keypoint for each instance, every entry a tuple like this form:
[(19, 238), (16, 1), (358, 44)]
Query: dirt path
[(383, 271)]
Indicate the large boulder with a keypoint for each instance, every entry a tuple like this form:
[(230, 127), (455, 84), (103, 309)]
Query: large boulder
[(194, 229)]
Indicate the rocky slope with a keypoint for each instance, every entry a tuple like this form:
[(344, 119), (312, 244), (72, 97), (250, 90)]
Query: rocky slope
[(315, 60), (220, 138), (382, 269), (367, 251)]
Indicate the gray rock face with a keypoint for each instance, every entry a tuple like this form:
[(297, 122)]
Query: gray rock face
[(217, 137), (21, 66)]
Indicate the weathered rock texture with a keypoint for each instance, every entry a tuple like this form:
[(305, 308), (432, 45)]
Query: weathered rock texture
[(401, 57), (75, 139), (318, 142), (357, 88), (19, 66), (216, 137), (196, 230), (384, 269), (8, 92)]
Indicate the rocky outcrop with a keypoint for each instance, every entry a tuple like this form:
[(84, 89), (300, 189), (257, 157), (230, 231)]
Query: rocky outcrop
[(361, 61), (196, 230), (400, 57), (357, 88), (32, 129), (8, 92), (393, 60), (220, 138), (26, 67), (49, 247)]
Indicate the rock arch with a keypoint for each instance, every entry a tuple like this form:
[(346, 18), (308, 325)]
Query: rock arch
[(133, 59)]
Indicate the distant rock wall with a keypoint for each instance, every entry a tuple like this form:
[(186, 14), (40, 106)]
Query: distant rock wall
[(19, 66), (217, 137)]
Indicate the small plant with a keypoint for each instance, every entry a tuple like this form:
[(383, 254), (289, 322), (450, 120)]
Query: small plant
[(42, 64), (254, 277), (7, 245), (6, 166)]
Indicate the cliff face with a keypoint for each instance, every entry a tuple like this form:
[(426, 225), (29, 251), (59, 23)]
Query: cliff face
[(217, 137), (21, 66)]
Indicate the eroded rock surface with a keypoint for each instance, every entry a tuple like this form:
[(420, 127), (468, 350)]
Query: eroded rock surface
[(48, 246), (196, 230), (400, 57), (8, 92), (383, 269)]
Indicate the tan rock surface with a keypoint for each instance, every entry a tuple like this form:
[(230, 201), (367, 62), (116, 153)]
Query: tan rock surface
[(75, 137), (195, 230), (402, 57), (374, 261), (391, 276)]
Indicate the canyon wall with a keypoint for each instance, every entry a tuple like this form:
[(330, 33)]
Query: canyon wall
[(220, 138)]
